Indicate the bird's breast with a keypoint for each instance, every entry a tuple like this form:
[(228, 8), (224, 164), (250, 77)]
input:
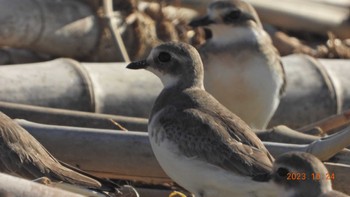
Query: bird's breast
[(244, 83)]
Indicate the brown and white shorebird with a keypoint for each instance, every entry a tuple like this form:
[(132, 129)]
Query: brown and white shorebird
[(298, 174), (242, 67), (23, 156), (198, 142)]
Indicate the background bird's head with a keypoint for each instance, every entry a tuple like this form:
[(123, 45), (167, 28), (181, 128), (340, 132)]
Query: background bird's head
[(233, 12), (175, 64), (301, 171)]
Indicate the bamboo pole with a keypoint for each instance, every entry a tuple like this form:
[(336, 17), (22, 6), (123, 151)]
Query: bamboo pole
[(118, 154), (55, 116), (58, 27), (327, 147), (102, 152), (284, 134), (323, 148), (312, 16), (64, 117)]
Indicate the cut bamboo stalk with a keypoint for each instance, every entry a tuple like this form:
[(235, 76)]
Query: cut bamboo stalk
[(323, 148), (115, 154), (79, 86), (339, 3), (102, 152), (118, 154), (55, 116), (32, 24), (284, 134), (312, 16), (71, 26), (64, 117), (327, 147), (13, 186)]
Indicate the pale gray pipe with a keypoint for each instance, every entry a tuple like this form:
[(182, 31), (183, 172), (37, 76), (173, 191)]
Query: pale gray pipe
[(125, 155), (315, 89), (311, 94), (59, 27)]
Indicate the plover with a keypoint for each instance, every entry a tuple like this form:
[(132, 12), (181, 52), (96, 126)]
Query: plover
[(22, 155), (198, 142), (299, 174), (242, 67)]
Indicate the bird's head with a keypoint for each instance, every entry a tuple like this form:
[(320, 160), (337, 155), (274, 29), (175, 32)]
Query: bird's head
[(301, 172), (228, 12), (175, 64)]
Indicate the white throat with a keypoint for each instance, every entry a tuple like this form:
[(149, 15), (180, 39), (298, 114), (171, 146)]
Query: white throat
[(167, 79), (224, 34)]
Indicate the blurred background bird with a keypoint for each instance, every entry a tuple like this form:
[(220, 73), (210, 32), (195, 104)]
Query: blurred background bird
[(23, 156), (243, 69)]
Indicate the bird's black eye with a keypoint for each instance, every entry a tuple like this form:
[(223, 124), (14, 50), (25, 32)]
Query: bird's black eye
[(282, 172), (232, 16), (164, 57)]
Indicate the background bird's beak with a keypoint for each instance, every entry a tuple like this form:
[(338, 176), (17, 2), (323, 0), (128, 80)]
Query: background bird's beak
[(137, 65), (203, 21)]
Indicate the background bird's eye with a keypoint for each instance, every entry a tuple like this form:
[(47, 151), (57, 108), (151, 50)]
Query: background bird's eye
[(232, 16), (282, 172), (164, 57)]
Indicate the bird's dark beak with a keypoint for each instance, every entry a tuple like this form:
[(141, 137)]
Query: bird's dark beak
[(203, 21), (137, 65)]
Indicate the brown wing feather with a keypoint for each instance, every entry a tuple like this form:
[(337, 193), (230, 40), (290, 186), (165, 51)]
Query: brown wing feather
[(21, 154), (216, 141)]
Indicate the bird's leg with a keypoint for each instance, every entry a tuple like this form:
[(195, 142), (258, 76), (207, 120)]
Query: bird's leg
[(176, 194)]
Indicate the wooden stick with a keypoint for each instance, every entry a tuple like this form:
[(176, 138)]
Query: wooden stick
[(65, 117), (113, 28), (330, 123)]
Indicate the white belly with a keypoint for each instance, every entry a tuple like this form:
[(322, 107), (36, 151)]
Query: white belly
[(201, 178)]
